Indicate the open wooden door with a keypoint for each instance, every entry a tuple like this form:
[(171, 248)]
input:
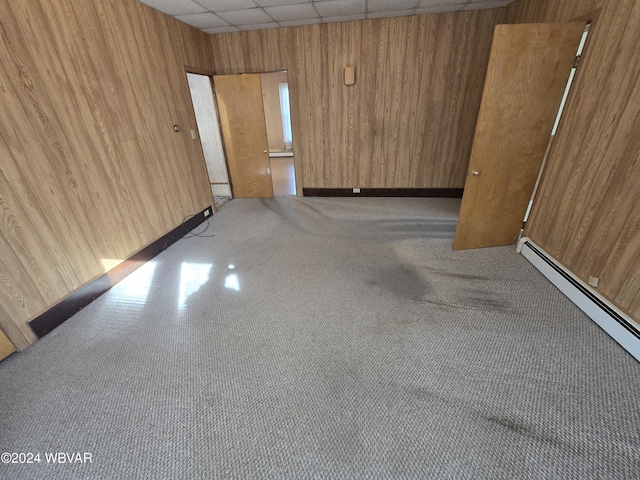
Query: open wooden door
[(528, 70), (245, 134), (6, 347)]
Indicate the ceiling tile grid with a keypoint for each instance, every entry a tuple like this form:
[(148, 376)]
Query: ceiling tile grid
[(222, 16)]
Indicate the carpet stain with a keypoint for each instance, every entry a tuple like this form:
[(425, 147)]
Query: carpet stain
[(513, 425), (526, 431), (430, 396), (402, 281), (485, 301), (284, 216), (463, 276)]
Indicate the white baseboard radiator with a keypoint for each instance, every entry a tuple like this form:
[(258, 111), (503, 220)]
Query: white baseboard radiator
[(622, 328)]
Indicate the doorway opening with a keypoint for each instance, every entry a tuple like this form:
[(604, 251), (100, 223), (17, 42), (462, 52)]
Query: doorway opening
[(572, 75), (277, 116), (206, 113)]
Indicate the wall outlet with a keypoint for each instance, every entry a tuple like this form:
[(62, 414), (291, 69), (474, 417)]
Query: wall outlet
[(356, 190), (594, 281), (193, 134), (207, 212)]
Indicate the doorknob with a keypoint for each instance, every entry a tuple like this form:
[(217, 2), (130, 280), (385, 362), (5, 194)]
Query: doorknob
[(264, 151)]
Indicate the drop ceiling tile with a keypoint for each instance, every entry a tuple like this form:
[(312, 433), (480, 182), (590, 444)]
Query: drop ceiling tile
[(336, 8), (293, 23), (451, 8), (390, 13), (276, 3), (174, 7), (292, 12), (390, 5), (251, 16), (255, 14), (228, 29), (486, 4), (344, 18), (225, 5), (202, 20), (441, 3), (259, 26)]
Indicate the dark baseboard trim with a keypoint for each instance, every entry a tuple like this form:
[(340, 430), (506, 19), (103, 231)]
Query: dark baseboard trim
[(86, 294), (384, 192)]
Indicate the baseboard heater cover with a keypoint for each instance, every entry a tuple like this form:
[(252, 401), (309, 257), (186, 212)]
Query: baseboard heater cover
[(622, 328), (80, 298)]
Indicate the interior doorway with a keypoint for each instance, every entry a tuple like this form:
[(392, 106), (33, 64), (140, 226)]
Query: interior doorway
[(206, 113), (277, 115), (239, 100)]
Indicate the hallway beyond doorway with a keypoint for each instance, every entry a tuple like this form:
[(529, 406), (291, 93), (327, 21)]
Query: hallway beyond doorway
[(283, 176)]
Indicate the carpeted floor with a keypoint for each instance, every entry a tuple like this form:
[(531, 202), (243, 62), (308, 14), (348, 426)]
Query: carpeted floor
[(326, 338)]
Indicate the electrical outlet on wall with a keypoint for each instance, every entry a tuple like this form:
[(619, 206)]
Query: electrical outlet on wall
[(356, 190), (594, 281)]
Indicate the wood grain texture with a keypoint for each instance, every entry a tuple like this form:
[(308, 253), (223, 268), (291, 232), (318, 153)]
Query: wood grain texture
[(409, 119), (20, 297), (526, 78), (586, 213), (6, 347), (245, 135), (90, 168)]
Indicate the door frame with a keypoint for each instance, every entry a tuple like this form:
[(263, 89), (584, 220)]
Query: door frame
[(292, 103)]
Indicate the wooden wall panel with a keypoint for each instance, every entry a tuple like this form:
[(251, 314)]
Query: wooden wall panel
[(410, 117), (587, 212), (20, 298), (91, 170), (549, 11)]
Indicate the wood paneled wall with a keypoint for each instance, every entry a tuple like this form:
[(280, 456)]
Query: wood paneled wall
[(587, 211), (90, 168), (410, 117)]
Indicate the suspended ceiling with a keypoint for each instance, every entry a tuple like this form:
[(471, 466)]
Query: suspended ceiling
[(221, 16)]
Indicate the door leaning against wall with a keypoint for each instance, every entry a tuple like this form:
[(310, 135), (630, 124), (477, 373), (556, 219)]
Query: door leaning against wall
[(209, 131)]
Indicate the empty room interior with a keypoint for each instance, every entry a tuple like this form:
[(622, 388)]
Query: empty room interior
[(319, 239)]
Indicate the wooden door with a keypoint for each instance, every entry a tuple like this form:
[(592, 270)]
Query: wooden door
[(528, 70), (204, 108), (6, 347), (245, 135)]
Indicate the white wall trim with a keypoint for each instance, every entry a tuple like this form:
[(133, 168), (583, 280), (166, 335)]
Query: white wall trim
[(280, 154), (620, 326)]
